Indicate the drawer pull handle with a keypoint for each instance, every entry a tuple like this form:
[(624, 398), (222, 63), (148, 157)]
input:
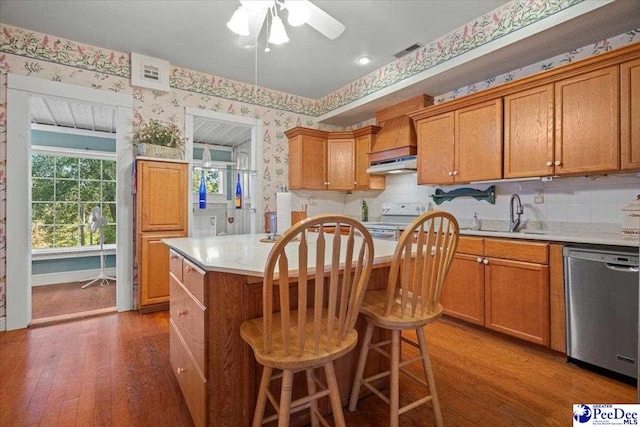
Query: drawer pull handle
[(173, 256), (180, 370), (182, 312), (189, 268)]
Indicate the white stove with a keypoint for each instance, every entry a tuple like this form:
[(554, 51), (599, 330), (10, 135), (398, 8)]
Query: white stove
[(394, 217)]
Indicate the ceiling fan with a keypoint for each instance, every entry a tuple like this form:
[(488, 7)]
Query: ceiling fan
[(248, 19)]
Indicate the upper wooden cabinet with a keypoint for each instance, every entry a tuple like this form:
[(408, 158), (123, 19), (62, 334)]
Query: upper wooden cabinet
[(529, 133), (462, 145), (630, 115), (161, 206), (581, 118), (364, 141), (587, 123), (320, 160), (307, 159), (341, 163), (163, 198), (479, 142)]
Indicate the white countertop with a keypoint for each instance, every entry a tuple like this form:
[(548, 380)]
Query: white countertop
[(591, 237), (245, 254)]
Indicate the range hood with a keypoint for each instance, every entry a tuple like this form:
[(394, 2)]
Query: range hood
[(407, 164)]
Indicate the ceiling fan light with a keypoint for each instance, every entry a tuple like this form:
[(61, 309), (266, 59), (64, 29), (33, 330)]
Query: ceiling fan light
[(299, 13), (239, 22), (278, 34)]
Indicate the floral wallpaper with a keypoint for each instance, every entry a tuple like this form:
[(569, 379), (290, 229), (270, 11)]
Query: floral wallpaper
[(48, 57)]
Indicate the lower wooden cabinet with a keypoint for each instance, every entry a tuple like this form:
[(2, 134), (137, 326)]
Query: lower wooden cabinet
[(517, 299), (507, 292), (154, 282)]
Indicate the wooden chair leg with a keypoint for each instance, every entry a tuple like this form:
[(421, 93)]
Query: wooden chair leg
[(285, 399), (311, 388), (258, 415), (394, 400), (357, 382), (334, 395), (426, 362)]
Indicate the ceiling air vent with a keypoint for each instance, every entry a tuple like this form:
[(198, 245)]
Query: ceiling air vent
[(407, 50), (149, 73)]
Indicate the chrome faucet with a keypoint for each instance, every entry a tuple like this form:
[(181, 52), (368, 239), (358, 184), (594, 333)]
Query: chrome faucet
[(515, 222)]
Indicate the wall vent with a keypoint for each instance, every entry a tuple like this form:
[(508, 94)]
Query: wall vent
[(407, 50), (149, 73)]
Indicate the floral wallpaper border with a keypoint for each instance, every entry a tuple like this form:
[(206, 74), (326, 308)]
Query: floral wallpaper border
[(504, 20)]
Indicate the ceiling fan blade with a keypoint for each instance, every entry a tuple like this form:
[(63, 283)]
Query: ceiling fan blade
[(257, 13), (323, 22)]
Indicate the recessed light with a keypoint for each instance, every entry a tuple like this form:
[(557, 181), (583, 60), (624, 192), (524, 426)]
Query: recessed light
[(364, 60)]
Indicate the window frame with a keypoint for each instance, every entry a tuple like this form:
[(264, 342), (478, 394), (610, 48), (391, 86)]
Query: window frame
[(73, 153), (220, 167)]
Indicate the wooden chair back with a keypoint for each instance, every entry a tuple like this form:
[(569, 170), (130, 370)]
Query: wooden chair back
[(415, 281), (344, 255)]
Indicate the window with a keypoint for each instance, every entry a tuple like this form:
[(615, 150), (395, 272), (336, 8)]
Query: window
[(64, 189), (213, 180)]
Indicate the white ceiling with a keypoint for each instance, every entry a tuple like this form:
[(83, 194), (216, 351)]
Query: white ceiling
[(220, 133), (193, 34), (60, 112)]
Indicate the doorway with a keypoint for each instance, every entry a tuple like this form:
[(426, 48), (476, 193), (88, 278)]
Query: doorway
[(23, 93)]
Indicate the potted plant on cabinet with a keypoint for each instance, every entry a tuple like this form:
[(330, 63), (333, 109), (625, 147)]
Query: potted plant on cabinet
[(156, 139)]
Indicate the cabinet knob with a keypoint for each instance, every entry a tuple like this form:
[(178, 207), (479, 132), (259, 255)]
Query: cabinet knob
[(549, 163), (558, 163), (455, 173), (479, 259), (485, 261), (355, 182), (189, 268), (173, 256), (182, 312), (180, 370), (450, 173)]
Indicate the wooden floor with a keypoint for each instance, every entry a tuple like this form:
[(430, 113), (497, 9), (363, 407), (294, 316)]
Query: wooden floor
[(114, 371), (68, 298)]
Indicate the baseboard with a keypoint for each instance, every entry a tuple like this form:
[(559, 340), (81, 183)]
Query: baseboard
[(3, 324), (68, 276)]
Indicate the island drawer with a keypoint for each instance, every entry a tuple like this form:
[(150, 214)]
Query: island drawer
[(193, 279), (194, 389), (517, 251), (188, 316), (175, 264)]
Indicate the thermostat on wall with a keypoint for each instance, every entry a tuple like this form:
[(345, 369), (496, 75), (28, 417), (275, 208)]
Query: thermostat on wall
[(149, 73)]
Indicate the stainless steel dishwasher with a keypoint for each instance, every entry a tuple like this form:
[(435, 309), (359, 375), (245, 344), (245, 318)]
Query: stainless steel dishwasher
[(601, 289)]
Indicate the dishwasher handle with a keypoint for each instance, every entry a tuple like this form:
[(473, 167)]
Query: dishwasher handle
[(622, 268)]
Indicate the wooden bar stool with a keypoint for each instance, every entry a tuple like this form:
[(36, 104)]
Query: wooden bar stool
[(411, 300), (319, 327)]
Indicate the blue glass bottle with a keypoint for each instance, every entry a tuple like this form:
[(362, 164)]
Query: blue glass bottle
[(202, 192), (238, 194)]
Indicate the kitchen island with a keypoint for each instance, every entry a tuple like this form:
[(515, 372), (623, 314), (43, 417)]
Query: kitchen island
[(216, 284)]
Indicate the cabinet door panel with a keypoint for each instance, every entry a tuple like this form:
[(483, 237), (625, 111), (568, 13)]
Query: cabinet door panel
[(154, 267), (463, 290), (587, 123), (162, 205), (528, 133), (630, 115), (436, 149), (341, 165), (517, 299), (479, 142), (307, 162)]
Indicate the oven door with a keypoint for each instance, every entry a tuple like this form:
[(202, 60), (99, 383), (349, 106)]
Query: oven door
[(383, 234)]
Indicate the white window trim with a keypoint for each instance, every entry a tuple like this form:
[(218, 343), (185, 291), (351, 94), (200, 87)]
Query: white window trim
[(222, 167), (71, 252), (73, 152)]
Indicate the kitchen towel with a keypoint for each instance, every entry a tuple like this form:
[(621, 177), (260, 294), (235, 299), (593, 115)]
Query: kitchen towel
[(283, 207)]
